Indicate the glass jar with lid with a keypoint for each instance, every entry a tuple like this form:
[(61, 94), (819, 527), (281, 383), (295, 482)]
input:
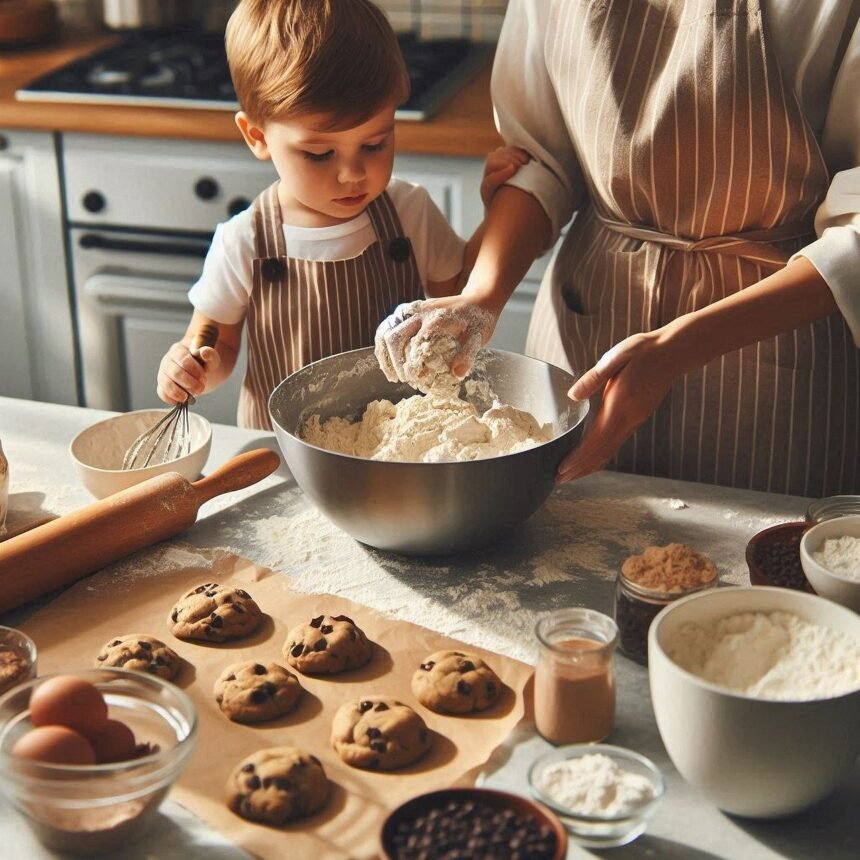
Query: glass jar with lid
[(648, 582), (831, 507)]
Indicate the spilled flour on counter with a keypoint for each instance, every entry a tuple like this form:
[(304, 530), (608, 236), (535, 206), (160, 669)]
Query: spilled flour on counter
[(437, 427)]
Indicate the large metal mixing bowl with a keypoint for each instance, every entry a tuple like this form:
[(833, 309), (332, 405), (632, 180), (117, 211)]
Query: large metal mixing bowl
[(424, 508)]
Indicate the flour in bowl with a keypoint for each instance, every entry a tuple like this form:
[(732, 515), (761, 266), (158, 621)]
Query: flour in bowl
[(841, 555), (438, 427), (769, 655)]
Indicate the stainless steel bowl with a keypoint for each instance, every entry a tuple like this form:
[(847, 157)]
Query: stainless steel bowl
[(424, 508)]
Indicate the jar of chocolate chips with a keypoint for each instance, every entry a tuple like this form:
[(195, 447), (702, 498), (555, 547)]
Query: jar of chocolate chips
[(650, 581)]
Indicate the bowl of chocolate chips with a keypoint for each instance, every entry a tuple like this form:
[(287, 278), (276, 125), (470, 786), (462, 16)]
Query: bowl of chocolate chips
[(472, 824), (773, 557)]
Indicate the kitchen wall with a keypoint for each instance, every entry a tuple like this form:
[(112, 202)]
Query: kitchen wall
[(479, 20)]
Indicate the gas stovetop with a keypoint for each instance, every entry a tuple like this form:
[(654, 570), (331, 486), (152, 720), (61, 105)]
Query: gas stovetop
[(189, 70)]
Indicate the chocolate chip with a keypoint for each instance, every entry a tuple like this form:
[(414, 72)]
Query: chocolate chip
[(101, 657), (343, 618), (381, 707), (239, 608), (464, 688), (160, 661), (200, 589), (468, 666), (174, 616), (326, 629), (428, 665), (228, 599), (365, 706), (211, 593), (231, 677), (282, 783), (260, 694), (114, 643), (296, 650), (458, 654), (217, 621), (315, 622), (320, 645), (378, 746), (491, 689), (254, 783), (242, 593), (152, 668), (259, 669), (373, 732)]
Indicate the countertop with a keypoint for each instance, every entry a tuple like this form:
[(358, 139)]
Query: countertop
[(565, 555), (462, 127)]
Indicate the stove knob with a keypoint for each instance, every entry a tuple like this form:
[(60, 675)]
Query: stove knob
[(237, 205), (94, 201), (206, 188)]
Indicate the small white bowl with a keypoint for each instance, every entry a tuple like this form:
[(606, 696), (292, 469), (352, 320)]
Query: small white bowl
[(601, 831), (760, 758), (98, 451), (829, 583)]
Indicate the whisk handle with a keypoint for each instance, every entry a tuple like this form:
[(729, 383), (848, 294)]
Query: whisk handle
[(206, 335), (238, 473)]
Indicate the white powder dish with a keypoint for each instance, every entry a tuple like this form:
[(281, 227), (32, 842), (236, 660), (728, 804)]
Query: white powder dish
[(841, 555), (769, 655)]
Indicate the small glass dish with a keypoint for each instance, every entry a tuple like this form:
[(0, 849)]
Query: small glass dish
[(831, 507), (94, 809), (601, 830), (18, 658)]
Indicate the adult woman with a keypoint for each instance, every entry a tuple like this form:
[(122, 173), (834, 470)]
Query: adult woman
[(696, 141)]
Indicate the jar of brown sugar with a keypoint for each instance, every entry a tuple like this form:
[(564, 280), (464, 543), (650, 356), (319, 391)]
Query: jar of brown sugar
[(575, 676), (650, 581)]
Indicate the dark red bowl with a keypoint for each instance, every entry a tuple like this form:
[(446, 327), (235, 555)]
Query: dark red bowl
[(501, 800), (773, 557)]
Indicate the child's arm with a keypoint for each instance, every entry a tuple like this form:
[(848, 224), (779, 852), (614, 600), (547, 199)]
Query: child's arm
[(180, 373), (501, 165)]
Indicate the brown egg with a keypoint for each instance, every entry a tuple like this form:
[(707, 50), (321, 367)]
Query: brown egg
[(115, 742), (55, 744), (71, 702)]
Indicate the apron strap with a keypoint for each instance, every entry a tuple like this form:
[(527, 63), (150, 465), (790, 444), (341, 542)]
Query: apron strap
[(269, 242)]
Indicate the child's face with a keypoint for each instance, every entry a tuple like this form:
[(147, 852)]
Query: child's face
[(329, 176)]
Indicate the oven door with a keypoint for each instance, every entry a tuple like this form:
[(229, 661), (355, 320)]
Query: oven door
[(131, 296)]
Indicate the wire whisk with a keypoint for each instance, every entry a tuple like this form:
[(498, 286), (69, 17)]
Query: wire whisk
[(170, 437)]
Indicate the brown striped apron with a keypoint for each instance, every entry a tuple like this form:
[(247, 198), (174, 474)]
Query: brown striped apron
[(703, 178), (304, 310)]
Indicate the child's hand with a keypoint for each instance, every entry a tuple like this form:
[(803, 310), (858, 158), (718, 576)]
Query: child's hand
[(181, 373), (502, 164)]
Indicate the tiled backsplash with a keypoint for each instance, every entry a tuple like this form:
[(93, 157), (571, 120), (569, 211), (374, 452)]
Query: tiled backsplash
[(479, 20)]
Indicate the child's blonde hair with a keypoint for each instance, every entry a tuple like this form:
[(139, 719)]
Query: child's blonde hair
[(289, 57)]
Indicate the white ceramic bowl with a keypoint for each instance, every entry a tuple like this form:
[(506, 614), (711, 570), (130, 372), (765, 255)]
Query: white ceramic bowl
[(600, 830), (828, 583), (97, 451), (752, 757)]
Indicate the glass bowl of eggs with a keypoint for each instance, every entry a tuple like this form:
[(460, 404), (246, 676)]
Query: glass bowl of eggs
[(88, 757)]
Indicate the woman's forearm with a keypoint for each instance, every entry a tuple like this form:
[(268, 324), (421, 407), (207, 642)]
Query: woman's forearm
[(789, 298), (515, 232)]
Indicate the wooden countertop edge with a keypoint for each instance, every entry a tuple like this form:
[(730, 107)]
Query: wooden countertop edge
[(462, 128)]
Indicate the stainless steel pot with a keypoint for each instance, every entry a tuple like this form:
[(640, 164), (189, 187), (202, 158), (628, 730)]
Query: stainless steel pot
[(424, 508), (139, 14)]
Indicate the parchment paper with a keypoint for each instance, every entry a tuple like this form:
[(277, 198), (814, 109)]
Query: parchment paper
[(71, 630)]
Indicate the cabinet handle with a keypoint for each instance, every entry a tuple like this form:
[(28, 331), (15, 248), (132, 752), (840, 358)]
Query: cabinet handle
[(95, 241)]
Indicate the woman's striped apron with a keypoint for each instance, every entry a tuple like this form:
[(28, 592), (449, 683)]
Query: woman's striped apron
[(304, 310), (703, 178)]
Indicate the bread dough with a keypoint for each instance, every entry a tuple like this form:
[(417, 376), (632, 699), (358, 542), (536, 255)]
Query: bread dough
[(379, 733), (250, 692), (277, 785), (141, 653), (455, 682), (327, 645), (214, 613)]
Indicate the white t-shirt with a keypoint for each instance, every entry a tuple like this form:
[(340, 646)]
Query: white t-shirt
[(806, 38), (224, 287)]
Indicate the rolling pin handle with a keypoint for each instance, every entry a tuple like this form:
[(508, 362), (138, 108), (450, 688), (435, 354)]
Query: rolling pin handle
[(238, 473)]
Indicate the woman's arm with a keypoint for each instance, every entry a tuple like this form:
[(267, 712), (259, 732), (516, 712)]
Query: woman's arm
[(638, 372)]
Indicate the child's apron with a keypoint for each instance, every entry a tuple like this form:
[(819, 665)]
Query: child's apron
[(703, 178), (303, 310)]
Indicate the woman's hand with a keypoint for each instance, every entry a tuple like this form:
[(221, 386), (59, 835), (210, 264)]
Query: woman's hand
[(455, 316), (181, 373), (502, 163), (636, 374)]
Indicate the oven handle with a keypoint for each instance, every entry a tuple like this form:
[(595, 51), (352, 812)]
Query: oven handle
[(117, 295), (95, 241)]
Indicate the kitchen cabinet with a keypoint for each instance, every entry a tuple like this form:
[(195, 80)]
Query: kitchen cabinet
[(37, 341)]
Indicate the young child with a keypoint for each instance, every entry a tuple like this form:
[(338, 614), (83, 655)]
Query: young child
[(326, 253)]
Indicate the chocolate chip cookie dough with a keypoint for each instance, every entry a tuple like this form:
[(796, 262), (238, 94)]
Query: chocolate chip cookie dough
[(214, 613), (250, 692), (141, 653), (327, 645), (277, 785), (455, 682), (379, 733)]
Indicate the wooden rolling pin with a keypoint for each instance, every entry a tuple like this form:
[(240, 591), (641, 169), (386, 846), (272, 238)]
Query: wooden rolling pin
[(72, 546)]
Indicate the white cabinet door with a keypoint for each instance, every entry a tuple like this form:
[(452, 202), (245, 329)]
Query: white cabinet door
[(37, 352)]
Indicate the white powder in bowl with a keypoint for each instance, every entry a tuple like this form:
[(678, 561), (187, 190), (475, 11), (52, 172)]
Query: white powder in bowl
[(769, 655), (595, 785), (841, 555)]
